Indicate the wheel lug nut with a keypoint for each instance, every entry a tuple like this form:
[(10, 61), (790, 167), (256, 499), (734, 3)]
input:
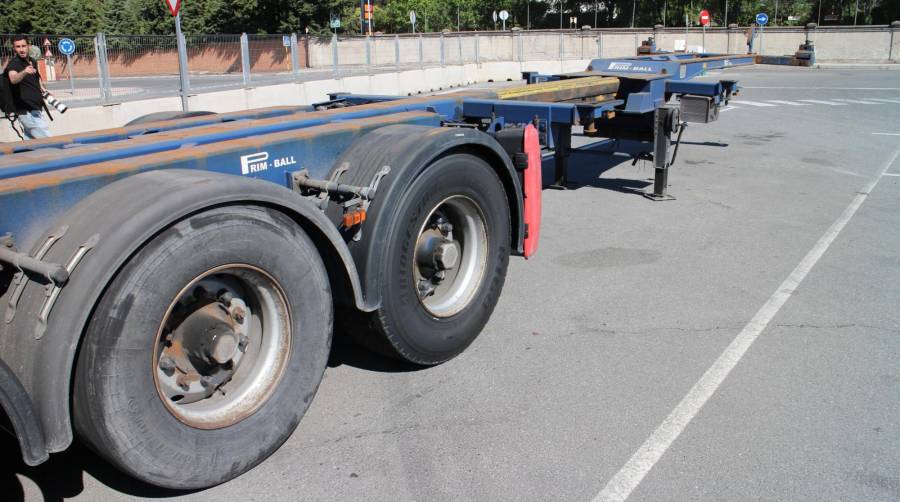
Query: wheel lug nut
[(242, 344), (238, 315), (205, 381), (167, 364), (225, 297)]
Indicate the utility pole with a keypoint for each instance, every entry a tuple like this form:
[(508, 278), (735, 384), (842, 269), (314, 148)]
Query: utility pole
[(595, 13), (855, 12)]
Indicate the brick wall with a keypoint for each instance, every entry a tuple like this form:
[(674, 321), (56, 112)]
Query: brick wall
[(265, 56)]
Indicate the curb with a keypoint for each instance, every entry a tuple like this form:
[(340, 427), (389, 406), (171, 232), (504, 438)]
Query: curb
[(858, 66)]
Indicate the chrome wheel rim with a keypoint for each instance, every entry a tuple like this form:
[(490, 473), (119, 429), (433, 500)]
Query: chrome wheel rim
[(222, 346), (451, 256)]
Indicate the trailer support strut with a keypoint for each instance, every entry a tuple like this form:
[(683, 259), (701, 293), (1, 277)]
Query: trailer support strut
[(563, 139)]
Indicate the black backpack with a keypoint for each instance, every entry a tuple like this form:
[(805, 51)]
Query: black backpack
[(7, 105)]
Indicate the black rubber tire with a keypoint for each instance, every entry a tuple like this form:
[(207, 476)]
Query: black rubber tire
[(117, 411), (402, 328), (158, 116)]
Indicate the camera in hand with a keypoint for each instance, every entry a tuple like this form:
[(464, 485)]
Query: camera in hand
[(55, 103)]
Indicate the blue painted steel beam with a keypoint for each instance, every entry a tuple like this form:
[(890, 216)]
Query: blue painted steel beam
[(120, 133), (37, 162), (697, 88), (32, 203)]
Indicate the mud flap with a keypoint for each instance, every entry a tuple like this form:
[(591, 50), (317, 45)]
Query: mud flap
[(532, 190)]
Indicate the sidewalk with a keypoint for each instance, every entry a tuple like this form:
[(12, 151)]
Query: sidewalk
[(858, 66)]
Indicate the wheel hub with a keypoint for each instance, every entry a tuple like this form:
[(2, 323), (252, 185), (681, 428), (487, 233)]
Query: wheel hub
[(450, 256), (204, 351), (221, 353)]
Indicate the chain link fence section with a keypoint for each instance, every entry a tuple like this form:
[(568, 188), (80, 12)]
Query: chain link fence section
[(270, 59), (134, 62)]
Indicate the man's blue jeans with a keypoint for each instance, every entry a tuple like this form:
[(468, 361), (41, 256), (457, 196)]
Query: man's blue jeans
[(35, 125)]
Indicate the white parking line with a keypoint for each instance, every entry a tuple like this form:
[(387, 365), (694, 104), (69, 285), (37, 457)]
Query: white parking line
[(791, 103), (829, 103), (857, 101), (886, 100), (891, 174), (752, 103), (729, 108), (886, 133), (630, 476)]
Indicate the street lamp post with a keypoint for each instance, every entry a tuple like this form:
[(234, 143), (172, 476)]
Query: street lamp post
[(633, 10), (560, 13)]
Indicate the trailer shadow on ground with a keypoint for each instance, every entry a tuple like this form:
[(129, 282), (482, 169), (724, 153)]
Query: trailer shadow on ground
[(586, 169), (62, 476), (344, 351)]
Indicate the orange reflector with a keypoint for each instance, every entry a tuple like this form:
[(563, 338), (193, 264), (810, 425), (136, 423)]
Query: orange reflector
[(354, 218)]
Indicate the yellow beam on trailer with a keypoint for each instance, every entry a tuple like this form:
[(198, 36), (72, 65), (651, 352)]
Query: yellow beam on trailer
[(561, 90)]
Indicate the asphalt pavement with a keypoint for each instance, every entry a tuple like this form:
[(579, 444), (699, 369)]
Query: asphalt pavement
[(740, 342)]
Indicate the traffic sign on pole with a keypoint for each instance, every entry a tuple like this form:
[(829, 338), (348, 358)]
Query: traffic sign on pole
[(412, 20), (504, 16), (66, 46), (174, 6), (762, 19), (704, 17)]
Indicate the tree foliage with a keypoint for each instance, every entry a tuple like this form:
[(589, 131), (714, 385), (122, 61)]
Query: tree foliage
[(140, 17)]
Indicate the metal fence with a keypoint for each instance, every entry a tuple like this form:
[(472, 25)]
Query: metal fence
[(110, 69)]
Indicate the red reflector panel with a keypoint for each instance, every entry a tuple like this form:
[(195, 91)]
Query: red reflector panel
[(532, 188)]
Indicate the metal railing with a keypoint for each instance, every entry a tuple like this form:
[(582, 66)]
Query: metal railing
[(108, 69)]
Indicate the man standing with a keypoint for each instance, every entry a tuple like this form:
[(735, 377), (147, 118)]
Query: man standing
[(27, 90)]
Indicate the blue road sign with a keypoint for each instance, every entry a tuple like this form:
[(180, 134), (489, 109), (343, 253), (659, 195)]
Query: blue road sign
[(762, 19), (66, 46)]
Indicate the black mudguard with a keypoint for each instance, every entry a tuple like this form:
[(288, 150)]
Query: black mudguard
[(17, 406), (408, 150)]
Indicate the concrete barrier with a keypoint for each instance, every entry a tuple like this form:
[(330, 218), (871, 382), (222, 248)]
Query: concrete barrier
[(393, 83), (861, 44)]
